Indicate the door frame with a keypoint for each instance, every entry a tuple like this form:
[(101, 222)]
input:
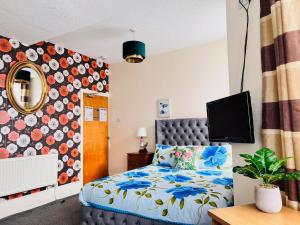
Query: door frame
[(81, 93)]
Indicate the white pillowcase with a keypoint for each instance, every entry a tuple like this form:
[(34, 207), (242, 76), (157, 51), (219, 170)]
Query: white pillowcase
[(164, 156)]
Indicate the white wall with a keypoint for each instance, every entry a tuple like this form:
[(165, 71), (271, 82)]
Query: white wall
[(135, 108), (189, 77), (236, 25)]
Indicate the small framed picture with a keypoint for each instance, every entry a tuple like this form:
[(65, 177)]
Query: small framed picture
[(163, 108)]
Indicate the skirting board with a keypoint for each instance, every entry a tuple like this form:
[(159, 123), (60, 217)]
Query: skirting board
[(27, 202), (68, 190)]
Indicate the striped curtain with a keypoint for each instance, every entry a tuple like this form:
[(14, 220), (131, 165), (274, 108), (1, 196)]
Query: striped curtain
[(280, 52), (24, 98)]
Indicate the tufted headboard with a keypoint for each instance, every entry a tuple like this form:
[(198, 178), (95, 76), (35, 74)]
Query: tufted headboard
[(182, 132)]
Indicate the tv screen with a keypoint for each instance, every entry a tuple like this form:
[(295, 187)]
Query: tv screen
[(230, 119)]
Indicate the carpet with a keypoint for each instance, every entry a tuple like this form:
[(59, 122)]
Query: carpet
[(61, 212)]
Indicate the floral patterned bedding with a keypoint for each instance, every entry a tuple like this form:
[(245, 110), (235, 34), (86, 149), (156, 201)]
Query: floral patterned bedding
[(162, 193)]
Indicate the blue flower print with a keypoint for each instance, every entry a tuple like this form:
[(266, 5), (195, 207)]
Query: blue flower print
[(214, 156), (164, 147), (185, 191), (224, 181), (168, 170), (210, 173), (136, 174), (164, 164), (177, 178), (133, 184)]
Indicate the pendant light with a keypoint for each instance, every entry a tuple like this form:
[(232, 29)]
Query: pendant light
[(134, 51)]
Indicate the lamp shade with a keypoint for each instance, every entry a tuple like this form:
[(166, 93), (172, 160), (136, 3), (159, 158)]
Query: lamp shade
[(141, 132), (134, 51)]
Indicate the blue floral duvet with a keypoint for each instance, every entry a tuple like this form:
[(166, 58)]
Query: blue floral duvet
[(162, 193)]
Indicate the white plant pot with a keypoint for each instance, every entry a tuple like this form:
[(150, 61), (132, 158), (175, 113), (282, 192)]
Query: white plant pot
[(268, 199)]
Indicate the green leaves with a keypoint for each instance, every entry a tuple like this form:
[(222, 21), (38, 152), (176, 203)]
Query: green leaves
[(111, 201), (181, 204), (198, 201), (265, 165), (124, 194), (159, 202), (213, 204), (173, 199), (261, 160), (148, 195), (248, 171), (118, 190), (107, 192), (164, 212), (214, 195), (278, 164), (292, 176), (206, 200), (265, 157)]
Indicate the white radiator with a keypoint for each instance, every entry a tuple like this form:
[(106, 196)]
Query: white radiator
[(27, 173)]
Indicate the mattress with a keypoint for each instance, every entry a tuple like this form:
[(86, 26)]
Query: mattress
[(162, 194)]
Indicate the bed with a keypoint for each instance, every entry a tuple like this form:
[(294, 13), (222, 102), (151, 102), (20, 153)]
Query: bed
[(157, 194)]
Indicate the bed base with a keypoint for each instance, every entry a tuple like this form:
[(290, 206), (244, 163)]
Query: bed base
[(93, 216)]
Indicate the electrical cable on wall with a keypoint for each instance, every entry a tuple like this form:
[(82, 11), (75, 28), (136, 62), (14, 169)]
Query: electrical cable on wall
[(245, 5)]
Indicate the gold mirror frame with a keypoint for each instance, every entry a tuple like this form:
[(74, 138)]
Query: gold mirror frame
[(9, 85)]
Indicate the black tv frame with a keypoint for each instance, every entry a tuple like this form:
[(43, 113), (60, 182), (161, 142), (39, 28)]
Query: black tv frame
[(250, 117)]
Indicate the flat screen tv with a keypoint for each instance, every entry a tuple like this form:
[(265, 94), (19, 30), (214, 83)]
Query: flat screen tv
[(230, 119)]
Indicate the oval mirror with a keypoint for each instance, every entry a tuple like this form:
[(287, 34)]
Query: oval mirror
[(26, 87)]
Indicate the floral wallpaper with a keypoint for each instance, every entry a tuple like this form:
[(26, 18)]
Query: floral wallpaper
[(55, 129)]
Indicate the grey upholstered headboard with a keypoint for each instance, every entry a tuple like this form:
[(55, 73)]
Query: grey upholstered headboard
[(182, 132)]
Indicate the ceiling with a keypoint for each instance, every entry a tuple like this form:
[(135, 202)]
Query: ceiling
[(98, 28)]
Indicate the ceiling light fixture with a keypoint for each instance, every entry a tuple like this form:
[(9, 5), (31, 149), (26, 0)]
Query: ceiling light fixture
[(134, 51)]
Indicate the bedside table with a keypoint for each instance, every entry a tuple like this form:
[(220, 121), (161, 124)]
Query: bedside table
[(250, 215), (137, 159)]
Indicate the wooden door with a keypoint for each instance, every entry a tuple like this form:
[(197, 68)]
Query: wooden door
[(95, 138)]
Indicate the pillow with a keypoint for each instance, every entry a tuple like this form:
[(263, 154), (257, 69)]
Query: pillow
[(186, 157), (213, 157), (164, 156)]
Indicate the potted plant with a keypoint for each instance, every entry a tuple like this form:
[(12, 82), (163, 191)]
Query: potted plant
[(265, 166)]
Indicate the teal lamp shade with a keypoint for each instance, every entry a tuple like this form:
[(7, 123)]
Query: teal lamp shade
[(134, 51)]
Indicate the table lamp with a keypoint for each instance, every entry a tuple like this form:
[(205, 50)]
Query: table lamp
[(142, 133)]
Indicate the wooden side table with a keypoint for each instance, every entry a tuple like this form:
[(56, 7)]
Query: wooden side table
[(137, 159), (250, 215)]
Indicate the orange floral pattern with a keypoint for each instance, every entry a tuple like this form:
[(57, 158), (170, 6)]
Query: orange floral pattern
[(4, 117), (63, 178), (21, 56), (13, 136), (2, 80), (36, 134), (54, 129), (5, 46), (4, 154)]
